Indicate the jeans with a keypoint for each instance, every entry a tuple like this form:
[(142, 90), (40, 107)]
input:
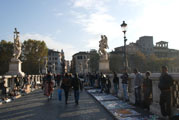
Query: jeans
[(102, 87), (125, 91), (116, 87), (165, 103), (138, 96), (76, 95), (66, 90)]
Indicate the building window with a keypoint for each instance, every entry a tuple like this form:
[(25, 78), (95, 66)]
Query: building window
[(79, 57)]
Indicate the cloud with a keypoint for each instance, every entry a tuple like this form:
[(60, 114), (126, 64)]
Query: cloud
[(52, 43), (58, 31), (90, 4), (96, 23), (58, 14), (159, 19)]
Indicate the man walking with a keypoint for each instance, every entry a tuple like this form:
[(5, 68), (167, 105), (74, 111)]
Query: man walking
[(138, 83), (165, 84), (76, 86)]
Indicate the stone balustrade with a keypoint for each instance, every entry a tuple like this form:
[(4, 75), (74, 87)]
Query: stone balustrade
[(33, 81), (154, 107)]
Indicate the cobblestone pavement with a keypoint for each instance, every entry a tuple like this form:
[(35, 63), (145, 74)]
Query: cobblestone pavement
[(35, 106)]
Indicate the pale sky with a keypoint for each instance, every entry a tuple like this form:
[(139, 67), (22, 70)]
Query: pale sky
[(76, 25)]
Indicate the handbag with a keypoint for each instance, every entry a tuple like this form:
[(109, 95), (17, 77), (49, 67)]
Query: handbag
[(59, 94)]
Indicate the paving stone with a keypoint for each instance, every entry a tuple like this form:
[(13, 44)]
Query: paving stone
[(35, 106)]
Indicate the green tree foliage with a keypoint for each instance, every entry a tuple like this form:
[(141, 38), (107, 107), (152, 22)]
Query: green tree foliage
[(138, 61), (33, 55), (141, 62), (116, 62), (94, 61), (6, 53)]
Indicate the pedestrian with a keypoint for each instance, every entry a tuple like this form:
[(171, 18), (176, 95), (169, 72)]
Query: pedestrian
[(165, 85), (98, 80), (58, 78), (108, 84), (55, 80), (3, 88), (76, 86), (138, 83), (49, 84), (147, 90), (66, 85), (103, 82), (116, 84), (125, 78)]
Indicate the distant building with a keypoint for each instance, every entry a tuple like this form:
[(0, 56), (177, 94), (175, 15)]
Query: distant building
[(80, 62), (67, 66), (145, 45), (161, 50), (54, 61), (130, 49)]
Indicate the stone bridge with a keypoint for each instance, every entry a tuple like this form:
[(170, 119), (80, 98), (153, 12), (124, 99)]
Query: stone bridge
[(35, 80)]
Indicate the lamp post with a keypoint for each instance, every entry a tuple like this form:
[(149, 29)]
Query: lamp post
[(39, 65), (124, 30)]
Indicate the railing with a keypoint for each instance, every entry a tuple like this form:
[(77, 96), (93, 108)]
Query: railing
[(154, 107), (20, 84)]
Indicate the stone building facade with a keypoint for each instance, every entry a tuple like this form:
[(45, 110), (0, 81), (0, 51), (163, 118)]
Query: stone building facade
[(80, 63), (130, 49), (145, 45), (54, 61), (161, 50)]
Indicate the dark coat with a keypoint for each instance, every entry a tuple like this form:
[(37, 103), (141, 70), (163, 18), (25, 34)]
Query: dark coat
[(165, 82), (76, 83), (116, 80), (124, 78)]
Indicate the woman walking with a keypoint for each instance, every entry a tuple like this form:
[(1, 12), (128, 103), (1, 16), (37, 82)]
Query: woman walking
[(48, 85), (66, 85)]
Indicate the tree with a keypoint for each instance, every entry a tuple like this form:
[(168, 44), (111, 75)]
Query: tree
[(116, 62), (33, 55), (6, 53), (138, 61), (93, 61)]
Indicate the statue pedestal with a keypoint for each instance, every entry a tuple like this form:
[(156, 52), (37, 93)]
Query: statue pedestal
[(44, 71), (15, 68), (104, 65)]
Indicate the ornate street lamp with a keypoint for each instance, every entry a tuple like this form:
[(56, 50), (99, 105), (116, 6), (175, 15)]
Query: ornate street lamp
[(124, 30)]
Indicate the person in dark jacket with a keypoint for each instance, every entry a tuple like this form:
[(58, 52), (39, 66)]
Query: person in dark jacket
[(116, 83), (103, 82), (165, 85), (125, 78), (108, 84), (66, 85), (3, 88), (147, 90), (58, 79), (138, 80), (76, 86)]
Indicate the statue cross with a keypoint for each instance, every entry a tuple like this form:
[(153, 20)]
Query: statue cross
[(16, 31)]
